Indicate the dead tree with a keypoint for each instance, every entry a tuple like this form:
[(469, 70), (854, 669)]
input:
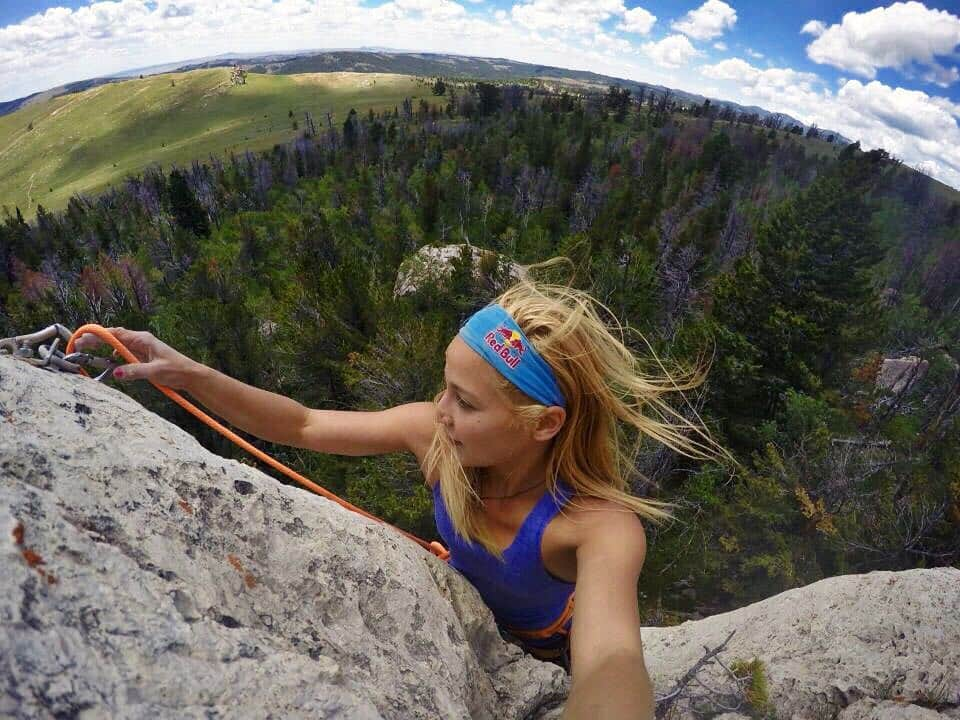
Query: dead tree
[(706, 699), (311, 125)]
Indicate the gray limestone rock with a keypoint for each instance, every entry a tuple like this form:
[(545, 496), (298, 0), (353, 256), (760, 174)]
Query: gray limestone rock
[(897, 374), (436, 264), (143, 577), (870, 709), (830, 644)]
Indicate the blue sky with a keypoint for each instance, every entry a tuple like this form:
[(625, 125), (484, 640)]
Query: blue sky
[(885, 74), (772, 29)]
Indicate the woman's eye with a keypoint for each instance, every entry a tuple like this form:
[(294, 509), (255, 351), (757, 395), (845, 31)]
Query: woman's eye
[(461, 403)]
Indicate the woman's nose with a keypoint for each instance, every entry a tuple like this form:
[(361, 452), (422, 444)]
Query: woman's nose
[(442, 414)]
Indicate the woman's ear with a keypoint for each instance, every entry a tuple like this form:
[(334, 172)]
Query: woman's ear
[(550, 423)]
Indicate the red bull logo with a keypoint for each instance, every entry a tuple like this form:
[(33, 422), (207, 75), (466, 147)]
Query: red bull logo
[(507, 344)]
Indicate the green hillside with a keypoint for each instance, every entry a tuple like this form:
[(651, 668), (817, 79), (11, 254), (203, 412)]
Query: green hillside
[(86, 141)]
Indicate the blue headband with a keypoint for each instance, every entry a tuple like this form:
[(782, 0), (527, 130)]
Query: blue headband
[(495, 335)]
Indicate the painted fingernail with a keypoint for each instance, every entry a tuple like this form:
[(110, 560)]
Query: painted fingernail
[(118, 372)]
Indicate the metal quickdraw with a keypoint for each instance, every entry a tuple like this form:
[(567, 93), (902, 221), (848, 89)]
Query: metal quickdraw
[(32, 348)]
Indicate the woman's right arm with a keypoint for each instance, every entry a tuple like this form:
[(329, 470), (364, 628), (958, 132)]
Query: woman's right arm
[(339, 432), (404, 427), (270, 416)]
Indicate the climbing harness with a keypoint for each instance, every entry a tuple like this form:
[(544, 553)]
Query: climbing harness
[(49, 357)]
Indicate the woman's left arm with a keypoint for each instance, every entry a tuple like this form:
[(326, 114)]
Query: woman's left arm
[(610, 678)]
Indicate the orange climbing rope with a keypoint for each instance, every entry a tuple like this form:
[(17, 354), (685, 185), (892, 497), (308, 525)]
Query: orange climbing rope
[(434, 547)]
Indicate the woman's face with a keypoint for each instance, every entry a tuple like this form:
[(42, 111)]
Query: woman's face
[(476, 417)]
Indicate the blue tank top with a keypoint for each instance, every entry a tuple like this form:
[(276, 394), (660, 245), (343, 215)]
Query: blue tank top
[(521, 592)]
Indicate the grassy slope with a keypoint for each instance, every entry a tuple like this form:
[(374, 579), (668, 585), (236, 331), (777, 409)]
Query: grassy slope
[(86, 141)]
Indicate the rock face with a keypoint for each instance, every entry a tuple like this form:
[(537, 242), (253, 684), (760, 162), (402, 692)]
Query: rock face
[(143, 577), (436, 264), (897, 374), (833, 644)]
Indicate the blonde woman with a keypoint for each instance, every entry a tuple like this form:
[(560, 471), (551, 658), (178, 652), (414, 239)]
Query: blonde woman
[(522, 453)]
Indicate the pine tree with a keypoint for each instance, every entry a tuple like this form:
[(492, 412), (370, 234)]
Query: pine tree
[(791, 312), (350, 130), (490, 98), (186, 209)]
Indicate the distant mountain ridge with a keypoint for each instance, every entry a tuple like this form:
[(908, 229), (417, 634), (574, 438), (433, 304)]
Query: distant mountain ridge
[(381, 60), (464, 66)]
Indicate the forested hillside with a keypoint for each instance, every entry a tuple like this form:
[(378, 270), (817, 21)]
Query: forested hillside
[(796, 268)]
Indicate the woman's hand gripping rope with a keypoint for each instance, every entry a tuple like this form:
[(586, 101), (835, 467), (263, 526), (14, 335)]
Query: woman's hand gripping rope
[(148, 358)]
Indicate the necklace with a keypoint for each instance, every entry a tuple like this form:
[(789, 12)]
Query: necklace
[(504, 497)]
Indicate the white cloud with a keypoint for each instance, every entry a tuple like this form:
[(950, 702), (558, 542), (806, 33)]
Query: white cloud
[(672, 52), (942, 76), (919, 129), (722, 46), (947, 105), (707, 21), (897, 37), (910, 111), (438, 10), (611, 44), (775, 79), (909, 124), (566, 15), (754, 54), (637, 20), (814, 27)]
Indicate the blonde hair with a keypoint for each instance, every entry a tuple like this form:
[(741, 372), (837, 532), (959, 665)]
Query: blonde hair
[(602, 383)]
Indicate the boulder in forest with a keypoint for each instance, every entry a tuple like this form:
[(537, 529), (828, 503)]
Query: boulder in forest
[(898, 374), (435, 264)]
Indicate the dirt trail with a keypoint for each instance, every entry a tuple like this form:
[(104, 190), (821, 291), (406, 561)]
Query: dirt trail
[(30, 190), (77, 98)]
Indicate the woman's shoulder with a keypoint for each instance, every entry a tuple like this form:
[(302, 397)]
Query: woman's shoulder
[(584, 512), (571, 526), (581, 502)]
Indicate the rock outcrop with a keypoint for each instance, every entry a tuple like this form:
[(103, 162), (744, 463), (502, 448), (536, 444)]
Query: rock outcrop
[(897, 374), (144, 577), (435, 264), (857, 645)]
